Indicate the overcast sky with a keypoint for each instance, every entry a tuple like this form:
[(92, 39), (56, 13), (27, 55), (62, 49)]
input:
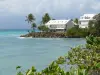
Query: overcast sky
[(13, 12)]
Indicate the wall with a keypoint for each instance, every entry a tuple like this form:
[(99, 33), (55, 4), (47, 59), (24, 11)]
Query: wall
[(84, 24), (70, 24)]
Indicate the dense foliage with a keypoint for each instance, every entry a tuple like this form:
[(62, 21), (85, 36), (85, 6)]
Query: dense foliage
[(45, 18), (94, 25), (77, 32), (86, 60), (43, 28), (76, 21), (33, 26), (31, 20), (93, 28)]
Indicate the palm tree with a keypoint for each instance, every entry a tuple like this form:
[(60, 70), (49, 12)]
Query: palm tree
[(33, 26), (46, 18), (76, 21), (30, 18)]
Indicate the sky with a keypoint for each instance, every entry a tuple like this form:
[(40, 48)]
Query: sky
[(13, 12)]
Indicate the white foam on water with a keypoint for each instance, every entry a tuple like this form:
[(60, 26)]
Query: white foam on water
[(21, 37), (24, 37)]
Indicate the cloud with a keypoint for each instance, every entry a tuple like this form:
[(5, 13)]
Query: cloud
[(21, 7), (58, 9)]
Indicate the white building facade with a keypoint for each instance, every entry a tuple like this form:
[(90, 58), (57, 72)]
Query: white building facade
[(60, 25), (84, 20)]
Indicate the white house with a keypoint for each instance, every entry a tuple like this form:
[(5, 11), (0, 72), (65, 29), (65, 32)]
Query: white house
[(60, 25), (84, 20)]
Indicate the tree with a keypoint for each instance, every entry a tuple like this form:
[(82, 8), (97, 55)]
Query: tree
[(45, 18), (43, 28), (92, 29), (77, 32), (97, 24), (33, 26), (76, 20), (30, 18), (91, 24)]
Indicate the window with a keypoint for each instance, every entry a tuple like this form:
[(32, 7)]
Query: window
[(79, 22), (53, 26)]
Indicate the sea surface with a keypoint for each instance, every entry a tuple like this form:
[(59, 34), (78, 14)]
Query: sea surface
[(27, 52)]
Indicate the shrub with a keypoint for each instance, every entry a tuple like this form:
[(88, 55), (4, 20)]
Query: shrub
[(77, 32), (43, 28)]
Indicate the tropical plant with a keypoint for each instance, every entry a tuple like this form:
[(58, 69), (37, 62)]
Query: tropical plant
[(77, 32), (86, 57), (34, 26), (45, 18), (76, 21), (43, 28), (30, 19), (92, 40), (97, 24), (92, 29)]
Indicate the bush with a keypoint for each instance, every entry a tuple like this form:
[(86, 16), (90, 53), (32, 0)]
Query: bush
[(77, 32), (43, 28)]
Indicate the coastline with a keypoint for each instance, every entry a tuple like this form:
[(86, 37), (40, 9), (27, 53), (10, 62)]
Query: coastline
[(45, 35), (49, 35)]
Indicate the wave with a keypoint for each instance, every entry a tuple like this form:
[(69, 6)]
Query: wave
[(24, 37), (21, 37)]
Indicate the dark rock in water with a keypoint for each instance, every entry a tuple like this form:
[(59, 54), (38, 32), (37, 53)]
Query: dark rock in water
[(45, 35)]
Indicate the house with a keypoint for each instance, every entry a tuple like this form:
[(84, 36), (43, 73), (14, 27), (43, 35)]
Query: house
[(84, 20), (60, 25)]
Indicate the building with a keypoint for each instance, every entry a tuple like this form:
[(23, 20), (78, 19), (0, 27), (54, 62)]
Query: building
[(84, 20), (60, 25)]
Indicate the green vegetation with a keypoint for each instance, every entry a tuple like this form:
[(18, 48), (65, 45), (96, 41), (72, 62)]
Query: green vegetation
[(43, 28), (45, 18), (77, 32), (31, 20), (97, 24), (76, 21), (93, 28), (85, 60), (33, 26)]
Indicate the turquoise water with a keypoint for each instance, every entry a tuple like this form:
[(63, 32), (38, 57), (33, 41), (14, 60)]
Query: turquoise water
[(26, 52)]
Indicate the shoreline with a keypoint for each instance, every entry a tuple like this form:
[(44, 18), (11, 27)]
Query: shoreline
[(48, 35)]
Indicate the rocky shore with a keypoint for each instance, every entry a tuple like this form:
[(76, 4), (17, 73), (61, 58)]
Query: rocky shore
[(45, 35)]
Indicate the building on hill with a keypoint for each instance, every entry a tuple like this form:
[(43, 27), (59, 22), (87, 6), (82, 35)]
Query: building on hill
[(60, 25), (84, 20)]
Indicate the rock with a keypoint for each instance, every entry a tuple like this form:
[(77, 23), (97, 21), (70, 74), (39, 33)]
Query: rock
[(45, 35)]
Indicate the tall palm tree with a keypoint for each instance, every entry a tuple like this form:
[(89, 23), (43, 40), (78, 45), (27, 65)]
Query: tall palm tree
[(76, 20), (33, 26), (30, 18)]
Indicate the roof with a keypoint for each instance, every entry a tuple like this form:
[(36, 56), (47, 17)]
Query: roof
[(57, 22), (87, 17)]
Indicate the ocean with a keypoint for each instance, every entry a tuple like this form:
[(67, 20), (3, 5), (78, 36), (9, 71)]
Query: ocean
[(27, 52)]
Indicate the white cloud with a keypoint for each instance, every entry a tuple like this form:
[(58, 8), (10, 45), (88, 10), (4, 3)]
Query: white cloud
[(12, 12), (55, 7)]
